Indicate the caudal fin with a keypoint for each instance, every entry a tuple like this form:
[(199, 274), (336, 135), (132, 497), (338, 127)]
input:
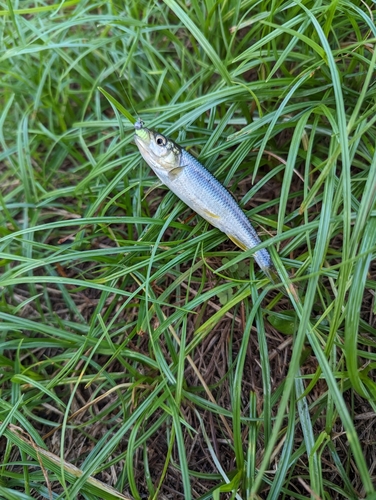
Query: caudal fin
[(288, 288)]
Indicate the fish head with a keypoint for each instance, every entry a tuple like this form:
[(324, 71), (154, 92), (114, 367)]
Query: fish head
[(158, 151)]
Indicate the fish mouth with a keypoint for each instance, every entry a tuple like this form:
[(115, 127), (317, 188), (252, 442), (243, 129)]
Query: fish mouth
[(137, 140), (140, 143), (145, 151)]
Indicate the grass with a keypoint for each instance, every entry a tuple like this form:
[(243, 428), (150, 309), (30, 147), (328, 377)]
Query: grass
[(142, 354)]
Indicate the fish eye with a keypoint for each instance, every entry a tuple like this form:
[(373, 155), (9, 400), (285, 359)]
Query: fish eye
[(160, 140)]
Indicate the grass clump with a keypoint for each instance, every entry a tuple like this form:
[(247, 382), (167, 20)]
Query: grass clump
[(142, 355)]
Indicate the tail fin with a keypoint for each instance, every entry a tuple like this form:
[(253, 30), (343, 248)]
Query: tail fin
[(288, 289)]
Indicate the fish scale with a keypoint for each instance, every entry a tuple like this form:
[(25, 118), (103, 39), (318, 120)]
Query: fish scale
[(210, 196), (183, 174)]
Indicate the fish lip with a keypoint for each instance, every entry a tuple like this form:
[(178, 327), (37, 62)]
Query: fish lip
[(136, 138), (145, 152), (140, 143)]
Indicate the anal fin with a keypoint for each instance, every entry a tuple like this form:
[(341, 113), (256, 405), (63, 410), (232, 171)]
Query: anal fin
[(237, 242)]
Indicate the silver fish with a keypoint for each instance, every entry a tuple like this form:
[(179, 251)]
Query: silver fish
[(199, 189)]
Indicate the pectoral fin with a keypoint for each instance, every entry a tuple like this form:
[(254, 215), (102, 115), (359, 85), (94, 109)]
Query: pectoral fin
[(238, 243), (174, 173)]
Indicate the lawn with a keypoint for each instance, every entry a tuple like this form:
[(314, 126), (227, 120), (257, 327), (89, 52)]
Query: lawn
[(142, 354)]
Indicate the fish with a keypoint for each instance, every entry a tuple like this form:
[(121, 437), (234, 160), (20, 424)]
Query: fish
[(185, 176)]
